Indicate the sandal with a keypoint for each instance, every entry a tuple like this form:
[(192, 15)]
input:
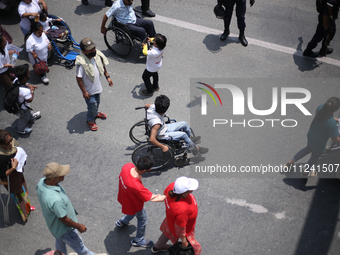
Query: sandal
[(92, 126), (101, 115)]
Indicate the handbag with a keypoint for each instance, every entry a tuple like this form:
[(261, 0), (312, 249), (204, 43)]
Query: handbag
[(41, 67), (177, 249)]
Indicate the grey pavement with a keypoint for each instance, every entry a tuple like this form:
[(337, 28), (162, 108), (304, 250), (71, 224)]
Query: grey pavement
[(247, 216)]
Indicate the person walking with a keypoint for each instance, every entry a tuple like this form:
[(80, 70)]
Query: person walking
[(181, 214), (328, 12), (323, 127), (153, 63), (90, 66), (240, 13), (58, 210), (132, 194)]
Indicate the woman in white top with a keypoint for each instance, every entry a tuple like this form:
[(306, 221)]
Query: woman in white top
[(38, 46), (5, 77), (29, 9)]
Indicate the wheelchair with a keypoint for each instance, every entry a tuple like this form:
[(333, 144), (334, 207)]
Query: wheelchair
[(177, 153), (66, 50), (119, 39)]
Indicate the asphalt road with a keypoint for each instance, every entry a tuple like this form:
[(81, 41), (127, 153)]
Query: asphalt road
[(237, 215)]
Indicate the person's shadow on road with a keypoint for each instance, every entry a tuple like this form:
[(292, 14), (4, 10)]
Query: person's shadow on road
[(304, 63), (78, 124), (214, 44)]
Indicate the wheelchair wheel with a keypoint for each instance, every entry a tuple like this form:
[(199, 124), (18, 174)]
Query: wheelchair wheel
[(161, 159), (118, 41), (138, 133), (181, 161)]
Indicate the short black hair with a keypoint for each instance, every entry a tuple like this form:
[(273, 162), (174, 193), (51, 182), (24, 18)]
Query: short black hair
[(160, 41), (144, 163), (36, 26), (21, 71), (42, 16), (162, 104)]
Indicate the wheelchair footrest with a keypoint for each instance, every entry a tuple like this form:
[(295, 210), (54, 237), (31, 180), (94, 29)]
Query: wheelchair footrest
[(71, 55)]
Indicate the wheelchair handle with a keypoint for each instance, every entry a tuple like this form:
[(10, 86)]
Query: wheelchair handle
[(138, 108)]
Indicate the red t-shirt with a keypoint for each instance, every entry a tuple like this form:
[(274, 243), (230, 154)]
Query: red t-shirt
[(132, 194), (183, 212)]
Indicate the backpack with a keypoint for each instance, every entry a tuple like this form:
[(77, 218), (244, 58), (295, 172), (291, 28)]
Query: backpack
[(320, 5), (11, 103)]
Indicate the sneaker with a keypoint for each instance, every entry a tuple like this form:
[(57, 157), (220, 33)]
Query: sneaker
[(144, 243), (35, 116), (310, 53), (26, 131), (312, 174), (164, 248), (120, 224), (145, 92), (45, 80), (196, 139)]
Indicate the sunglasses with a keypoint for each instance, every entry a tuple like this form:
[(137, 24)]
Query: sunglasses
[(9, 141)]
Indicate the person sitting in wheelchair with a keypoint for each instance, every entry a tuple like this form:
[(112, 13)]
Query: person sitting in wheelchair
[(123, 11), (176, 131), (59, 33)]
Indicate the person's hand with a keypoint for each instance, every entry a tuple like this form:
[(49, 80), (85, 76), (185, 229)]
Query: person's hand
[(34, 55), (81, 228), (103, 30), (49, 47), (14, 162), (32, 87), (86, 95), (35, 14), (110, 82), (165, 148), (336, 119), (143, 44), (185, 242), (252, 2)]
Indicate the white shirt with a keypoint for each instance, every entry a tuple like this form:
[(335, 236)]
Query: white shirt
[(27, 8), (46, 24), (24, 94), (39, 45), (94, 87), (4, 60), (154, 59), (154, 118)]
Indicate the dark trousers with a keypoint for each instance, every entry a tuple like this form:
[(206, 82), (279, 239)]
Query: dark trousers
[(146, 78), (240, 12), (320, 33), (142, 28)]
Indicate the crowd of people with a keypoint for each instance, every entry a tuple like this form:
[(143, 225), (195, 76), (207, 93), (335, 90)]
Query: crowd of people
[(91, 64)]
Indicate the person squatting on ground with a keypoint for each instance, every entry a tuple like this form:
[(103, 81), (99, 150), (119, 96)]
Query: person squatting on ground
[(26, 95), (38, 46), (5, 77), (153, 63), (58, 210), (241, 6), (325, 30), (181, 214), (132, 194), (29, 10), (90, 66), (323, 127), (177, 130), (123, 11), (8, 167)]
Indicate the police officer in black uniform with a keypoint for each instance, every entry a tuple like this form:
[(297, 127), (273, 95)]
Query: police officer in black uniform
[(146, 8), (240, 12), (325, 31)]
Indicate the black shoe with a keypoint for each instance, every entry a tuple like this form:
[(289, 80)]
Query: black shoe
[(149, 13), (310, 53), (224, 35), (243, 40), (108, 3), (145, 92), (325, 51), (85, 2)]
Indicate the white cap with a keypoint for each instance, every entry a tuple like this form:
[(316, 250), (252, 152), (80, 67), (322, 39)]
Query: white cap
[(183, 184)]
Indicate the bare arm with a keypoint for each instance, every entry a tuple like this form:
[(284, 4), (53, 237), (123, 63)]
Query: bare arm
[(44, 5), (70, 223), (153, 140), (147, 106), (103, 29), (14, 163), (336, 139), (157, 198), (108, 78)]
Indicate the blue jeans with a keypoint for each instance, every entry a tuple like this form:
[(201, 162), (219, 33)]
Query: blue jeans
[(92, 107), (142, 220), (25, 31), (72, 239), (305, 151), (174, 131)]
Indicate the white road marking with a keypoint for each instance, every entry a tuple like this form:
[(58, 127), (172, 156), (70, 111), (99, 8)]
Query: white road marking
[(267, 45)]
